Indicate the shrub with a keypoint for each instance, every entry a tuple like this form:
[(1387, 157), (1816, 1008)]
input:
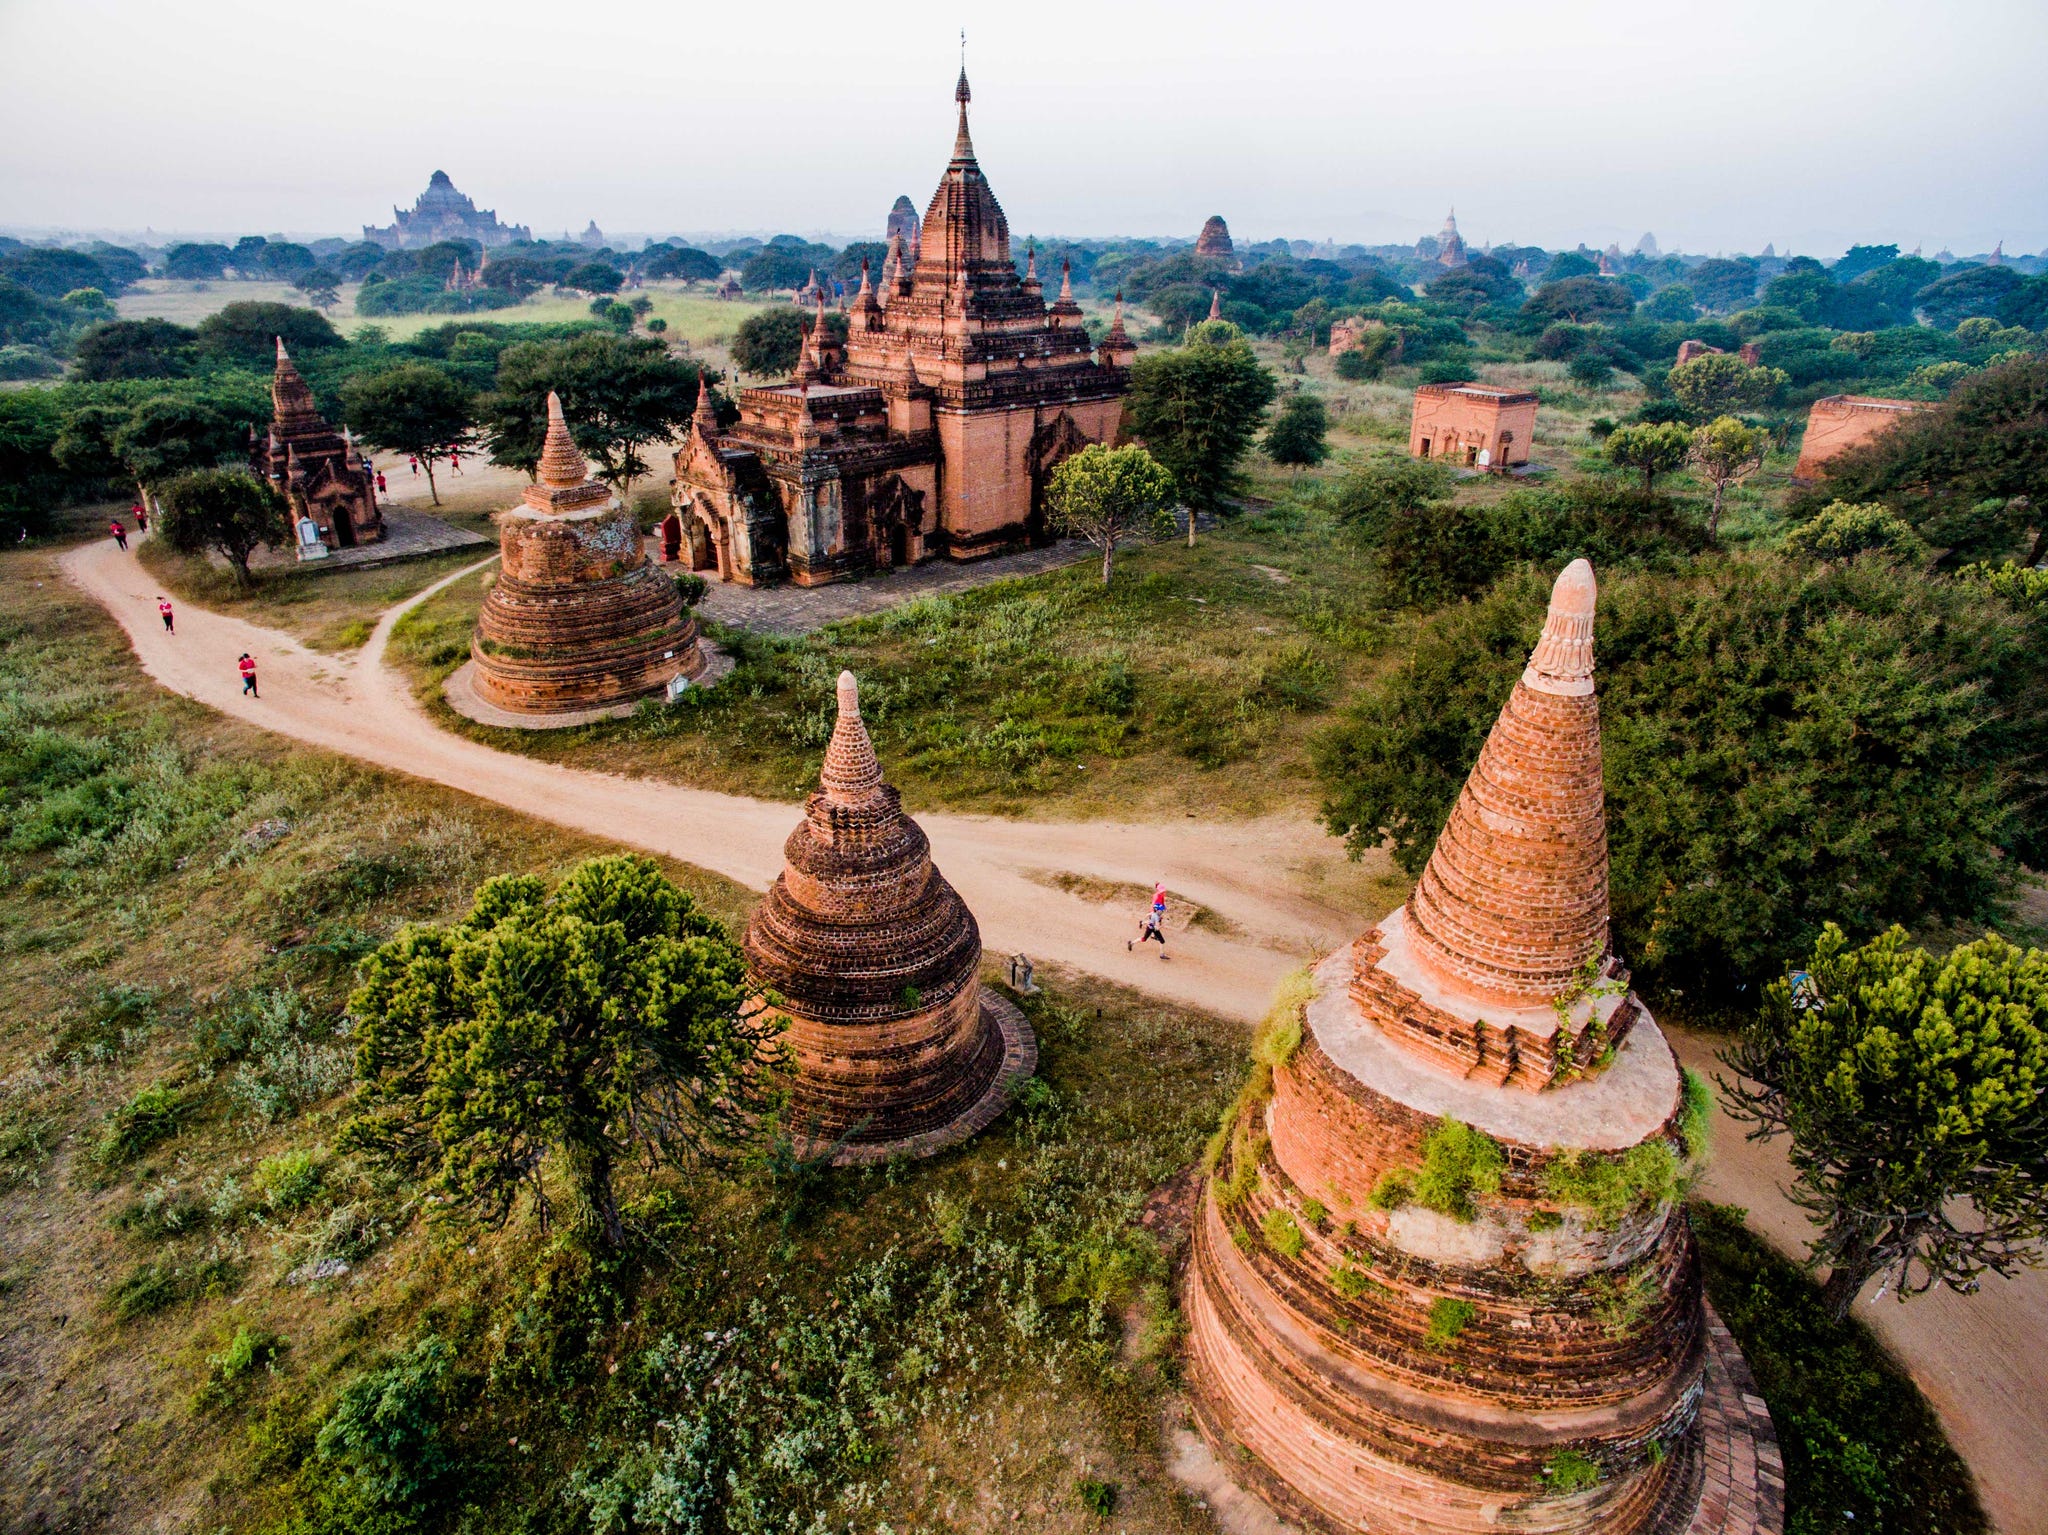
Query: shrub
[(1448, 1320), (1458, 1162), (249, 1350), (288, 1181), (1098, 1497), (1841, 530), (691, 587), (1568, 1471), (1607, 1187), (384, 1433), (1351, 1283), (152, 1115), (1282, 1234)]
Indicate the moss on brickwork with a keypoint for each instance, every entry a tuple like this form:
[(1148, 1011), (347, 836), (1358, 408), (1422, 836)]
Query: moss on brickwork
[(1459, 1164), (1606, 1187)]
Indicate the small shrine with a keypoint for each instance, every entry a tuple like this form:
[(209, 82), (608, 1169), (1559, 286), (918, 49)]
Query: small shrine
[(329, 486)]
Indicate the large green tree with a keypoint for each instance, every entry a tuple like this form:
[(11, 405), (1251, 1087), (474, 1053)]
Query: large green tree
[(1198, 408), (247, 333), (608, 1021), (1723, 452), (1106, 495), (1970, 474), (414, 407), (1782, 743), (621, 394), (1915, 1092), (1580, 300), (225, 511), (1721, 382), (134, 349), (149, 434)]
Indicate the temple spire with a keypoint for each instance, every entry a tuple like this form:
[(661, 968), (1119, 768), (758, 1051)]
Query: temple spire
[(1215, 303), (561, 464), (865, 285), (852, 774), (706, 414), (1066, 281), (1513, 903), (963, 146)]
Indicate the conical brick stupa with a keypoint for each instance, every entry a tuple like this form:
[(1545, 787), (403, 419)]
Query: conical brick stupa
[(875, 961), (579, 618), (1441, 1282)]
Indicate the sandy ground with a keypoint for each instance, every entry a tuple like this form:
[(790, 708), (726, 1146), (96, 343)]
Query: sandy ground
[(1283, 886), (1259, 876)]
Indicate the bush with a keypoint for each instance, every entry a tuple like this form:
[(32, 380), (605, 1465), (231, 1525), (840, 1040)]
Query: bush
[(288, 1181), (691, 587), (385, 1433), (152, 1115), (1609, 1187), (1459, 1163), (1358, 366), (1841, 530), (1448, 1320), (1282, 1234), (1098, 1497), (249, 1350)]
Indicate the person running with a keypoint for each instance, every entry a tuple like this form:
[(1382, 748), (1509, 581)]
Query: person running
[(382, 488), (1159, 903), (413, 459), (120, 533), (163, 606), (247, 665), (1152, 926), (455, 461), (141, 515)]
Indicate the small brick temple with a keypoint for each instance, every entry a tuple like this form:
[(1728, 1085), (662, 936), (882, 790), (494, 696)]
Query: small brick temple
[(933, 432), (579, 617), (1367, 1354), (330, 488), (877, 964), (1841, 422), (1459, 422)]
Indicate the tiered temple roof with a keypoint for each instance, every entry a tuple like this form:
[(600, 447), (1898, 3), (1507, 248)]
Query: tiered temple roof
[(442, 213), (578, 618), (875, 961), (1325, 1370), (312, 465)]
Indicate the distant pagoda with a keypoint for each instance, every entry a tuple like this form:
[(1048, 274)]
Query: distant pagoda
[(1370, 1354), (876, 962), (331, 489), (442, 213), (1214, 240), (579, 618)]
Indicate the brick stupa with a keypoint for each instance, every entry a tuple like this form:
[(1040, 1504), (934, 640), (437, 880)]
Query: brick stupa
[(876, 962), (1366, 1360), (579, 618), (314, 468)]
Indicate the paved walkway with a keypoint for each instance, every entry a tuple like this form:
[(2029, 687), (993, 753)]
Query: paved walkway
[(407, 536), (795, 609)]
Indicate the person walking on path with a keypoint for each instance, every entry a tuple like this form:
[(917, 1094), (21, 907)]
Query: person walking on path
[(247, 665), (413, 459), (163, 606), (120, 533)]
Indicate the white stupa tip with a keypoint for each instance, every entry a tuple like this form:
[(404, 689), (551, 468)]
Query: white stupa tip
[(1575, 592), (849, 695)]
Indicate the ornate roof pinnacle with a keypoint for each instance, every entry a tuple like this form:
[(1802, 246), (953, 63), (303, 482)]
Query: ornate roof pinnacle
[(1031, 262), (963, 146), (1066, 281), (1562, 662), (282, 354), (852, 775), (1215, 303), (561, 464), (706, 414), (865, 285)]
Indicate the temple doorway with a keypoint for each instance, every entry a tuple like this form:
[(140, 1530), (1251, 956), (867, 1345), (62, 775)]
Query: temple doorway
[(671, 538), (343, 523)]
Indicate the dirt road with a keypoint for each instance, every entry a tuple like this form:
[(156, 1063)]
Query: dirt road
[(1257, 876), (1282, 886)]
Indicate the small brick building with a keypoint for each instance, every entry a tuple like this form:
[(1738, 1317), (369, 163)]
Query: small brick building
[(933, 432), (1459, 422), (1843, 421), (1364, 1360), (579, 618), (330, 488)]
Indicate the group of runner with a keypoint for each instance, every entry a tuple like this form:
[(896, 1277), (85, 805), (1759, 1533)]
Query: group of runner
[(246, 664)]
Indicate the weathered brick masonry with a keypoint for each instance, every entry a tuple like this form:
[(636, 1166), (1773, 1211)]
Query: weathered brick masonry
[(1385, 1365)]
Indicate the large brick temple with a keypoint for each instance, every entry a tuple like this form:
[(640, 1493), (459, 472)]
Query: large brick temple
[(1383, 1339), (875, 962), (330, 488), (579, 617), (932, 433)]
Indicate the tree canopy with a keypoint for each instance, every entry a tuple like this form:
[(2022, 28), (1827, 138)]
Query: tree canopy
[(228, 511), (1580, 299), (1721, 382), (1198, 408), (605, 1021), (1970, 474), (619, 393), (1106, 495), (247, 332), (413, 407), (1299, 435), (1649, 448), (1912, 1088), (135, 349), (1783, 745)]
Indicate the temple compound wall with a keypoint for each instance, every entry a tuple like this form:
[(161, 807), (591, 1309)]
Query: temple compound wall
[(1458, 422), (1840, 422), (1380, 1341), (933, 432)]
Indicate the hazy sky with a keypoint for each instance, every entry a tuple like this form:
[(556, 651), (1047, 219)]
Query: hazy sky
[(1810, 123)]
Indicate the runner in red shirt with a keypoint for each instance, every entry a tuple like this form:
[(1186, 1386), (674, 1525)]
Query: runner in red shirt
[(248, 669), (120, 533), (163, 606)]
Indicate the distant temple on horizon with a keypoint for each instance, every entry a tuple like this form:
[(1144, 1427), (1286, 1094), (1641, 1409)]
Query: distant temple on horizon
[(442, 213), (931, 431)]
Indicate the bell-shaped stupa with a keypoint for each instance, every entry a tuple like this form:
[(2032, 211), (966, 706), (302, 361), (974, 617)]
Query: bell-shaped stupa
[(579, 617), (876, 962), (1441, 1282)]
